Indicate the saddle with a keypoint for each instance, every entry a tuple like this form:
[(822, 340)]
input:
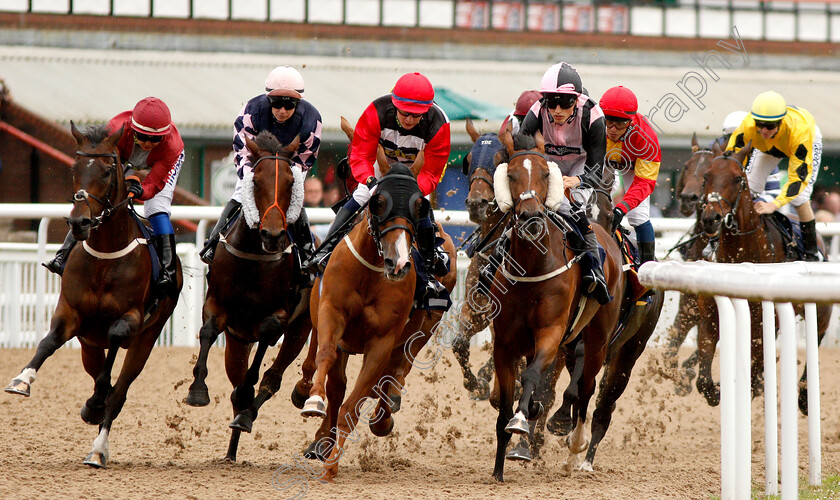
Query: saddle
[(630, 262), (790, 232)]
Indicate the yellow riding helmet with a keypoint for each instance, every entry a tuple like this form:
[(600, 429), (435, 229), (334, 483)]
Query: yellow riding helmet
[(769, 107)]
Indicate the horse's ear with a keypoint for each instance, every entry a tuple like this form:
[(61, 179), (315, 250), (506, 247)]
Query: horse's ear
[(252, 146), (80, 138), (292, 147), (507, 140), (509, 127), (347, 128), (417, 166), (382, 160), (743, 153), (474, 135), (114, 138), (716, 149), (540, 141), (695, 146)]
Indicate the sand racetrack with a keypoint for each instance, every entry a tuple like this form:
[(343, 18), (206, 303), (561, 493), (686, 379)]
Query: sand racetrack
[(659, 446)]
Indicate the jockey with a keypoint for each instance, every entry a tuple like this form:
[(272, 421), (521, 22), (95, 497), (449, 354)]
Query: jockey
[(572, 125), (772, 186), (523, 104), (282, 111), (776, 131), (633, 151), (404, 123), (150, 141)]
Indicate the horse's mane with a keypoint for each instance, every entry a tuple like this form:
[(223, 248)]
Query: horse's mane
[(400, 168), (521, 142), (96, 133), (267, 142)]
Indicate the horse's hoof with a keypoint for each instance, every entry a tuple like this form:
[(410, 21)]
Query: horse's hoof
[(311, 452), (198, 397), (482, 391), (396, 403), (381, 429), (558, 425), (314, 407), (96, 460), (519, 453), (577, 450), (682, 388), (518, 424), (586, 466), (298, 399), (242, 422), (92, 416), (803, 401), (535, 410), (485, 372), (18, 386)]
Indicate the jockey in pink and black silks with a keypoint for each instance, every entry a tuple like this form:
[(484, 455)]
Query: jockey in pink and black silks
[(633, 152), (404, 123)]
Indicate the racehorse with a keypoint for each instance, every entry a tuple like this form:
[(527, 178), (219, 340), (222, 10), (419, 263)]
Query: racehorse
[(106, 298), (363, 304), (745, 236), (251, 291), (538, 301), (475, 316)]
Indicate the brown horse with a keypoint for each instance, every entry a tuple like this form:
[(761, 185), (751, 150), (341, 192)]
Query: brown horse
[(745, 236), (475, 314), (364, 304), (539, 299), (106, 297), (251, 293)]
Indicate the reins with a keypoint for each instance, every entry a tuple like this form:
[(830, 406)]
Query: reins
[(276, 203), (729, 220)]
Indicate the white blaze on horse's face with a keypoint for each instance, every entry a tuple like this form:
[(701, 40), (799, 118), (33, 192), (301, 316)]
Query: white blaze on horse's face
[(403, 252), (527, 165)]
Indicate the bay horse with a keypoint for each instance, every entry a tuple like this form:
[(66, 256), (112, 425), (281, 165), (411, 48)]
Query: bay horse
[(363, 303), (251, 291), (728, 213), (539, 300), (475, 314), (106, 298)]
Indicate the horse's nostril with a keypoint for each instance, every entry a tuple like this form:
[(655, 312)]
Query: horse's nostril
[(389, 263), (264, 234)]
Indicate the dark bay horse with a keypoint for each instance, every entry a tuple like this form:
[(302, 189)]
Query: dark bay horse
[(251, 293), (364, 304), (106, 298), (745, 236), (475, 314), (539, 299)]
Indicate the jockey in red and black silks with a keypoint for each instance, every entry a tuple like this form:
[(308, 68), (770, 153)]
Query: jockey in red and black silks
[(403, 123), (632, 151)]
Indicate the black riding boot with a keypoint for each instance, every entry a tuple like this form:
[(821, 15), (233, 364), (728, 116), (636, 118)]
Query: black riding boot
[(167, 283), (209, 249), (809, 239), (340, 226), (487, 272), (647, 251), (57, 264), (302, 236), (435, 261), (594, 282)]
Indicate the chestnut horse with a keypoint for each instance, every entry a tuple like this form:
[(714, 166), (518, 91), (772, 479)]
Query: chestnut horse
[(106, 297), (728, 214), (364, 304), (251, 293), (539, 299)]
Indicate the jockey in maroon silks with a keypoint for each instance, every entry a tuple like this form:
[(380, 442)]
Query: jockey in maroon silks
[(151, 142), (404, 123), (523, 104)]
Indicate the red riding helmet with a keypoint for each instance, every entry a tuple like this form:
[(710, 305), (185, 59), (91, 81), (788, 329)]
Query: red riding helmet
[(619, 102), (525, 101), (413, 93), (151, 117)]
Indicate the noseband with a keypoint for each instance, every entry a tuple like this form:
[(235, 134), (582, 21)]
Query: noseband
[(729, 218), (83, 195), (276, 203), (527, 195)]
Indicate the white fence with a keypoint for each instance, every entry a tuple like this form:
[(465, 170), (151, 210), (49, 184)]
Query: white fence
[(29, 293), (732, 285)]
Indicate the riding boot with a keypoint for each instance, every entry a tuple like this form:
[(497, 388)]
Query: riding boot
[(302, 236), (210, 243), (594, 282), (167, 283), (57, 264), (647, 251), (340, 227), (435, 260), (809, 239)]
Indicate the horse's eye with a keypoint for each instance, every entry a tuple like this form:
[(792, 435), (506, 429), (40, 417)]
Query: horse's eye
[(106, 174)]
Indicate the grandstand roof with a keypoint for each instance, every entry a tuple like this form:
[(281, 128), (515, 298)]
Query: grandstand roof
[(206, 91)]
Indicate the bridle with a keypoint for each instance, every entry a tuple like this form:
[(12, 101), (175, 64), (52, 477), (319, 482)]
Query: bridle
[(83, 196), (527, 195), (730, 221), (276, 204)]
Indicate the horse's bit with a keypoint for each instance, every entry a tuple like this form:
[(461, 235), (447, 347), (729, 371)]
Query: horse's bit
[(83, 195)]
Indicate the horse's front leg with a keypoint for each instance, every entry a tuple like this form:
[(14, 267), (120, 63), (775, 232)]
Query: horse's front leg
[(301, 390), (236, 365), (472, 319), (214, 324), (707, 338), (545, 352), (377, 354), (331, 324), (135, 359), (94, 410), (63, 327), (685, 319), (505, 360), (561, 423), (325, 437)]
